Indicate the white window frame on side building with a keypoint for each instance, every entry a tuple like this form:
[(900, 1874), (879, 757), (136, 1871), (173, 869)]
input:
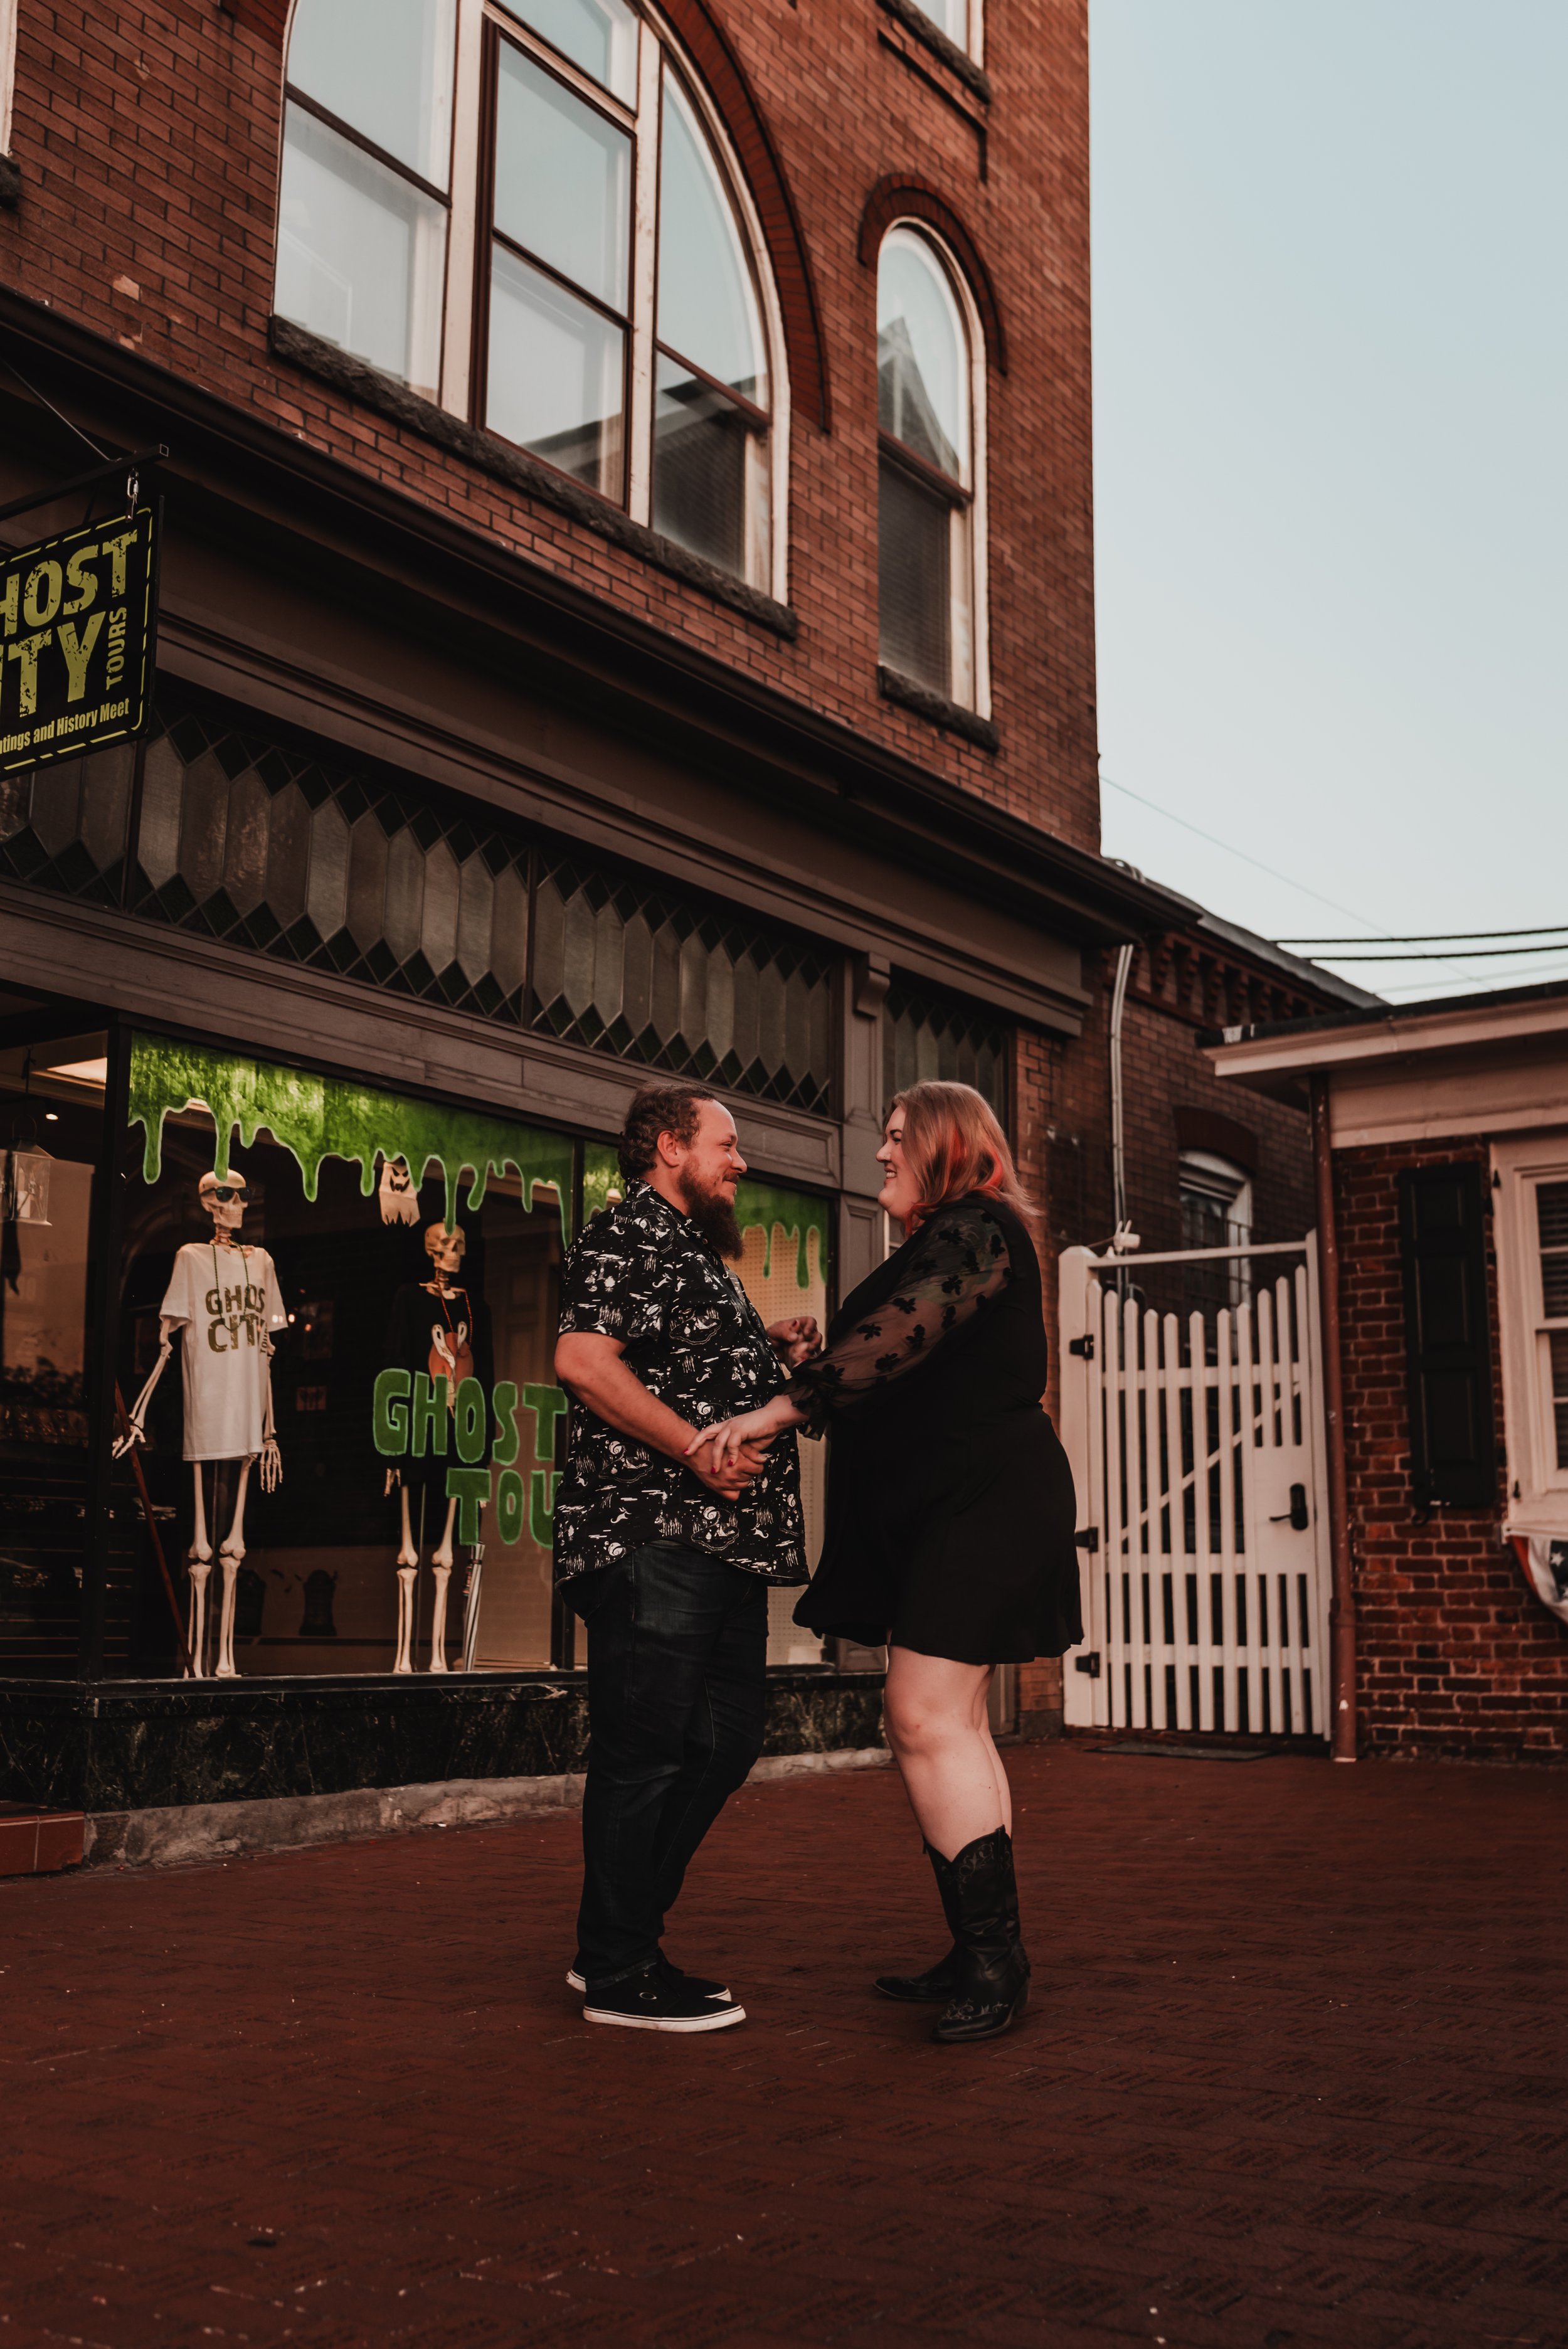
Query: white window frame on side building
[(9, 12), (1537, 1500)]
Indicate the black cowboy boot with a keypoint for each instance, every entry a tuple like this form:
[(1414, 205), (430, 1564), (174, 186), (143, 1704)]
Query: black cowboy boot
[(939, 1983), (994, 1970)]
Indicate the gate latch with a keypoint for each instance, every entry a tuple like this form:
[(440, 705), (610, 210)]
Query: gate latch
[(1082, 1347), (1089, 1663), (1295, 1517), (1089, 1538)]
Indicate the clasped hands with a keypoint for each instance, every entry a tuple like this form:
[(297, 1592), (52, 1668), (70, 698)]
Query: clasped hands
[(729, 1455)]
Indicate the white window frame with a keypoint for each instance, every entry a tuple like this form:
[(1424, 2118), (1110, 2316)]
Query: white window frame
[(468, 236), (1537, 1499), (1221, 1179), (973, 41), (968, 569), (9, 12)]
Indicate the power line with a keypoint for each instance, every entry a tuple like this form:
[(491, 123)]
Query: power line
[(1274, 875), (1476, 954), (1552, 933)]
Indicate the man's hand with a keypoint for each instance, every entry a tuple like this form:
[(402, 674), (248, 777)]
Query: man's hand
[(590, 1368), (796, 1341), (739, 1471)]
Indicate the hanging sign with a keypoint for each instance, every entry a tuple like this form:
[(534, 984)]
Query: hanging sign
[(77, 622)]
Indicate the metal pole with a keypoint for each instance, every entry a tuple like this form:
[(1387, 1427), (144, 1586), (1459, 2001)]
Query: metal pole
[(1342, 1607)]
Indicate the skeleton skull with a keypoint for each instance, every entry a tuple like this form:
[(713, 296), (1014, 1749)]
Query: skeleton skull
[(445, 1249), (224, 1202)]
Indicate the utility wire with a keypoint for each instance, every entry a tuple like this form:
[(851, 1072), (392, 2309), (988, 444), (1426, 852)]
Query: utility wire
[(1552, 933), (63, 419), (1274, 875), (1477, 954)]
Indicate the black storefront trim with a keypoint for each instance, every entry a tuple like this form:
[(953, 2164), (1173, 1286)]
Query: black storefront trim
[(372, 388), (137, 1745), (950, 716)]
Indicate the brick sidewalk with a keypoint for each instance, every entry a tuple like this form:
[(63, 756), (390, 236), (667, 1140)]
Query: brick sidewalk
[(1296, 2073)]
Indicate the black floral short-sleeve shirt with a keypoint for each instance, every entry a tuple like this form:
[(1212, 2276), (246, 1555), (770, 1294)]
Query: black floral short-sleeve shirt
[(642, 1272)]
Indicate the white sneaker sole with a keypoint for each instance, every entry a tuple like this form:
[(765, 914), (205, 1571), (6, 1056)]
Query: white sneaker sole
[(720, 2021), (574, 1982)]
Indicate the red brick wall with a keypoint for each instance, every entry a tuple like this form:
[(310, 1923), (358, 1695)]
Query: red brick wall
[(1455, 1656), (148, 137)]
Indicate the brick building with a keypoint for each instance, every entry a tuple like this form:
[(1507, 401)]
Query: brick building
[(625, 605), (1447, 1124)]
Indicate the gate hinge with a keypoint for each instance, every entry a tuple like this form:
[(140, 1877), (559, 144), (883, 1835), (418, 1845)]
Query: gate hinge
[(1083, 1347), (1089, 1663), (1089, 1538)]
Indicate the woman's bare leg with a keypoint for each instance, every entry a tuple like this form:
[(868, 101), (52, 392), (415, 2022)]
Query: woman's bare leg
[(934, 1713)]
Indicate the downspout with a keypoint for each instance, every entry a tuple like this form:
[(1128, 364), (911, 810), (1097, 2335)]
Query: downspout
[(1117, 1142), (1342, 1607)]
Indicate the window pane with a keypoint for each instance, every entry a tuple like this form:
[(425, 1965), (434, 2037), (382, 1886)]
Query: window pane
[(562, 180), (915, 539), (361, 255), (600, 36), (1560, 1393), (951, 15), (557, 374), (705, 469), (922, 390), (384, 66), (707, 306)]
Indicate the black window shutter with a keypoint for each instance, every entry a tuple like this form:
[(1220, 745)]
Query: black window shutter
[(1448, 1336)]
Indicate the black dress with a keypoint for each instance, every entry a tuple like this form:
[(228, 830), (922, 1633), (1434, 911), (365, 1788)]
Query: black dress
[(951, 1513)]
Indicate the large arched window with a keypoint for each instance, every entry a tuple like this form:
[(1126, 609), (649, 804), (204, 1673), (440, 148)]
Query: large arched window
[(529, 213), (931, 542)]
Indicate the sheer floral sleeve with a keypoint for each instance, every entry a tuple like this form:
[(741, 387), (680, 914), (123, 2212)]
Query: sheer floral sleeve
[(958, 1265)]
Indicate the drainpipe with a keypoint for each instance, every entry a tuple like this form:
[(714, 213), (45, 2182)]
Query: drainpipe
[(1118, 1146), (1342, 1608)]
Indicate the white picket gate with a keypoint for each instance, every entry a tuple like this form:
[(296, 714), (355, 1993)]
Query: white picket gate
[(1197, 1447)]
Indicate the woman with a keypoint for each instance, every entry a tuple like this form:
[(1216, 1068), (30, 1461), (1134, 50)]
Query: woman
[(949, 1513)]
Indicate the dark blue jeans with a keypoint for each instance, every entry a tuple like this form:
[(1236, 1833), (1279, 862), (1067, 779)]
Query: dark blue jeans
[(677, 1659)]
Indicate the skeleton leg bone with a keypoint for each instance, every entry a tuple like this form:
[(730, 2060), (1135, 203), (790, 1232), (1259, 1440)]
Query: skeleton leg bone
[(199, 1566), (408, 1576), (231, 1557), (438, 1620)]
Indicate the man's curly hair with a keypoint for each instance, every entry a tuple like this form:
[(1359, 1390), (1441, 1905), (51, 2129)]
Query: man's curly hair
[(661, 1109)]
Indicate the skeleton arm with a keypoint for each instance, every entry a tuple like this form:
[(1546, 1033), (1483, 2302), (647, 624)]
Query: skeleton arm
[(137, 1431), (272, 1460)]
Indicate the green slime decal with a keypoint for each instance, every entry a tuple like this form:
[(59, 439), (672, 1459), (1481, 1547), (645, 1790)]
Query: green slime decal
[(315, 1118), (761, 1207)]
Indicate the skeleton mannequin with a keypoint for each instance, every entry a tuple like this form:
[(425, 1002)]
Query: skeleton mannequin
[(223, 1298), (436, 1329)]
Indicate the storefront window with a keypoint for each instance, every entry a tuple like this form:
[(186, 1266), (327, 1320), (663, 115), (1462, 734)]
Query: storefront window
[(51, 1127), (337, 1316)]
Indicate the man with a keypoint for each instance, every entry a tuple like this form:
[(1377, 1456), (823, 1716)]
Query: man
[(668, 1564)]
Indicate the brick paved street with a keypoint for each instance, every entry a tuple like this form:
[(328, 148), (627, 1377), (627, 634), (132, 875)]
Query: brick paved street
[(1296, 2073)]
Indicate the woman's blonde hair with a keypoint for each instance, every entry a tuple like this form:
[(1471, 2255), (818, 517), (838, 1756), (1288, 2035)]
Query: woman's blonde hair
[(954, 1144)]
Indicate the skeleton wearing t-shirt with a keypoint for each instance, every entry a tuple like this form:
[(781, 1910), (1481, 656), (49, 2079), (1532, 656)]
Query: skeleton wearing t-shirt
[(223, 1299), (438, 1330)]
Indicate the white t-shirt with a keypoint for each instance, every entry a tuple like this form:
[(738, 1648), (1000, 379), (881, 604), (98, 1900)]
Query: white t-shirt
[(229, 1304)]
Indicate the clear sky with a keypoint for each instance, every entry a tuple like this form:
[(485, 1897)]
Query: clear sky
[(1331, 419)]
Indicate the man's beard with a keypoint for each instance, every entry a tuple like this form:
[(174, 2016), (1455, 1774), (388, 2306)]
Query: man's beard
[(714, 1216)]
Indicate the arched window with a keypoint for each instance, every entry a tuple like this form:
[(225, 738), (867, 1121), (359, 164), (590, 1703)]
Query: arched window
[(529, 213), (931, 544)]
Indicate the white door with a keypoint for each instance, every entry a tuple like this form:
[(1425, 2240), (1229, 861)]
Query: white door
[(1197, 1448)]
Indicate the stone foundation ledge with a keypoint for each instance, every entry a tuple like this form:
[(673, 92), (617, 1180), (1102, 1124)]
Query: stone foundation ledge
[(188, 1834)]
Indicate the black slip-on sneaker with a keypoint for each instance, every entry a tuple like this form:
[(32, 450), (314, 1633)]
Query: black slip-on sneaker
[(700, 1983), (649, 2001)]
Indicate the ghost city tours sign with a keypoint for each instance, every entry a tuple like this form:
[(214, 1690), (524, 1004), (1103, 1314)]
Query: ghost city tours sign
[(77, 622)]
